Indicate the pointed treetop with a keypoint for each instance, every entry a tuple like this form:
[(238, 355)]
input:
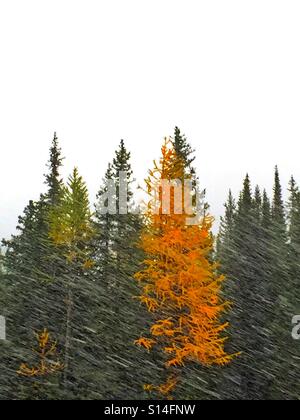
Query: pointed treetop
[(257, 202), (278, 213), (230, 204), (266, 204), (78, 188), (266, 211), (70, 220), (183, 149), (293, 188), (109, 172), (292, 181), (293, 207), (109, 175), (257, 194), (121, 161), (53, 180), (245, 201), (294, 194), (227, 221)]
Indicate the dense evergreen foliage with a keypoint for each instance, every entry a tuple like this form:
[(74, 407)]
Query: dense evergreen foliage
[(70, 297), (257, 249)]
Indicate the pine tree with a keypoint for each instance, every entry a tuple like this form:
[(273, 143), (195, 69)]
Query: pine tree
[(257, 203), (241, 278), (71, 230), (104, 231), (278, 212), (30, 252), (111, 228), (243, 258), (294, 228), (53, 181), (226, 256), (31, 264), (184, 150), (6, 391), (279, 237), (226, 235), (117, 259), (287, 265), (58, 277), (266, 212), (279, 292)]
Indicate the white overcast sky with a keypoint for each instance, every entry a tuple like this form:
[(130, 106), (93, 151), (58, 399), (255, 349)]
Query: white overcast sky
[(226, 72)]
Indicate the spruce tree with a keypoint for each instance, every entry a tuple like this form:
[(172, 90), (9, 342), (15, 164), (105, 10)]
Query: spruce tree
[(266, 212), (226, 235), (30, 266), (287, 244), (104, 231), (243, 284), (117, 258), (243, 262), (53, 179), (279, 292), (294, 229), (183, 149), (71, 230), (186, 153)]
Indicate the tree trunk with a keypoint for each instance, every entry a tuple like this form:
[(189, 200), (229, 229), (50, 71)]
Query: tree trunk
[(69, 303)]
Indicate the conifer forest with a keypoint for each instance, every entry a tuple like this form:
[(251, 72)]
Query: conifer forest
[(152, 301)]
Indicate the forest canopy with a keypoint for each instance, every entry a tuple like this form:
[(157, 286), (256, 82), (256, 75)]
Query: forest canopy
[(133, 304)]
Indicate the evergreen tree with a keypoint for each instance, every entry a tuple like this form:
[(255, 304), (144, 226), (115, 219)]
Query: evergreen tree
[(257, 203), (104, 231), (287, 245), (242, 257), (67, 277), (30, 251), (186, 153), (184, 150), (278, 211), (242, 292), (266, 212), (71, 231), (117, 259), (53, 181), (279, 292), (226, 235), (30, 266), (294, 229)]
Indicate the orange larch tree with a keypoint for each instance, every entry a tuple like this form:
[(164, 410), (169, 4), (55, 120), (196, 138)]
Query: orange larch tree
[(47, 355), (43, 373), (179, 283)]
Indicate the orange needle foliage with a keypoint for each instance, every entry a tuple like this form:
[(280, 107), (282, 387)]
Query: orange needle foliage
[(179, 282), (164, 389), (145, 342), (46, 352)]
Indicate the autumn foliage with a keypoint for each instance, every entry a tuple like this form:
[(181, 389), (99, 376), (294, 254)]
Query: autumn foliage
[(179, 283), (47, 358)]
